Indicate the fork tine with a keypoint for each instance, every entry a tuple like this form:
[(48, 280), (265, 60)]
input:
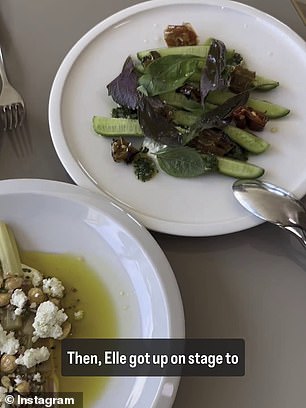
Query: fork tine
[(12, 112), (20, 141), (15, 141), (4, 118), (9, 117), (15, 115), (12, 116), (20, 113)]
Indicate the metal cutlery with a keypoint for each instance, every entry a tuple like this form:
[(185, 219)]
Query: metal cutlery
[(273, 204)]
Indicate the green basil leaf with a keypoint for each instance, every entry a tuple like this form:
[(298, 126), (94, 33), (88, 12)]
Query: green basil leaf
[(168, 73), (181, 162)]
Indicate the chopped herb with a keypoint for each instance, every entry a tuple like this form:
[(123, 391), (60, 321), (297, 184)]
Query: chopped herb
[(144, 167), (124, 112)]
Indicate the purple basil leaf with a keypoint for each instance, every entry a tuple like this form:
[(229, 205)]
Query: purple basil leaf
[(211, 78), (218, 117), (155, 124), (123, 89)]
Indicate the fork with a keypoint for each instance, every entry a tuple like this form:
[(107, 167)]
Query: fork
[(11, 103)]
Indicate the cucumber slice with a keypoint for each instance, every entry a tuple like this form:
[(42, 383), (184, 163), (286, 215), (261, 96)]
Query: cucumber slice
[(209, 106), (139, 68), (239, 169), (113, 127), (247, 140), (180, 101), (271, 110), (264, 84), (208, 41), (186, 119), (198, 50)]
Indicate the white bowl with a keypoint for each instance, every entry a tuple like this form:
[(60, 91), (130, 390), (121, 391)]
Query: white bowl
[(51, 216)]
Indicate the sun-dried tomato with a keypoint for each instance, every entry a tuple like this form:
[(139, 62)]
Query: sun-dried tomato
[(179, 35), (123, 151), (241, 79), (212, 141), (246, 117)]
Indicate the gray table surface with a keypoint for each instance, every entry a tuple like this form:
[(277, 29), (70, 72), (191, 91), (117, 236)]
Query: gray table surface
[(250, 284)]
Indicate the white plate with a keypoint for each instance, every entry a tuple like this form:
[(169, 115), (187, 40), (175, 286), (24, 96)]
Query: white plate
[(57, 217), (201, 206)]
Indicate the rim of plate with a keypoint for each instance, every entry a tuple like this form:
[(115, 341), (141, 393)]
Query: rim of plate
[(154, 253), (79, 175)]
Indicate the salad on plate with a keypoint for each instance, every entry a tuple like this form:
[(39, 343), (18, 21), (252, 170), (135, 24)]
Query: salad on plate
[(187, 109)]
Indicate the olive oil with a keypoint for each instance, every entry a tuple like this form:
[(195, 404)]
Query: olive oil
[(84, 292)]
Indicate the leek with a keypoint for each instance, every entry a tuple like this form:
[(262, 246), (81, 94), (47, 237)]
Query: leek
[(9, 255)]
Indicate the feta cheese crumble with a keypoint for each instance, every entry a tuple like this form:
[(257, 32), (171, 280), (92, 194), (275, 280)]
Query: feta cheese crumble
[(53, 287), (37, 377), (18, 299), (48, 321), (33, 274), (8, 343), (18, 380), (78, 315), (33, 356)]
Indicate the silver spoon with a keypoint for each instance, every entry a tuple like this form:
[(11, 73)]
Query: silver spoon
[(272, 204)]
